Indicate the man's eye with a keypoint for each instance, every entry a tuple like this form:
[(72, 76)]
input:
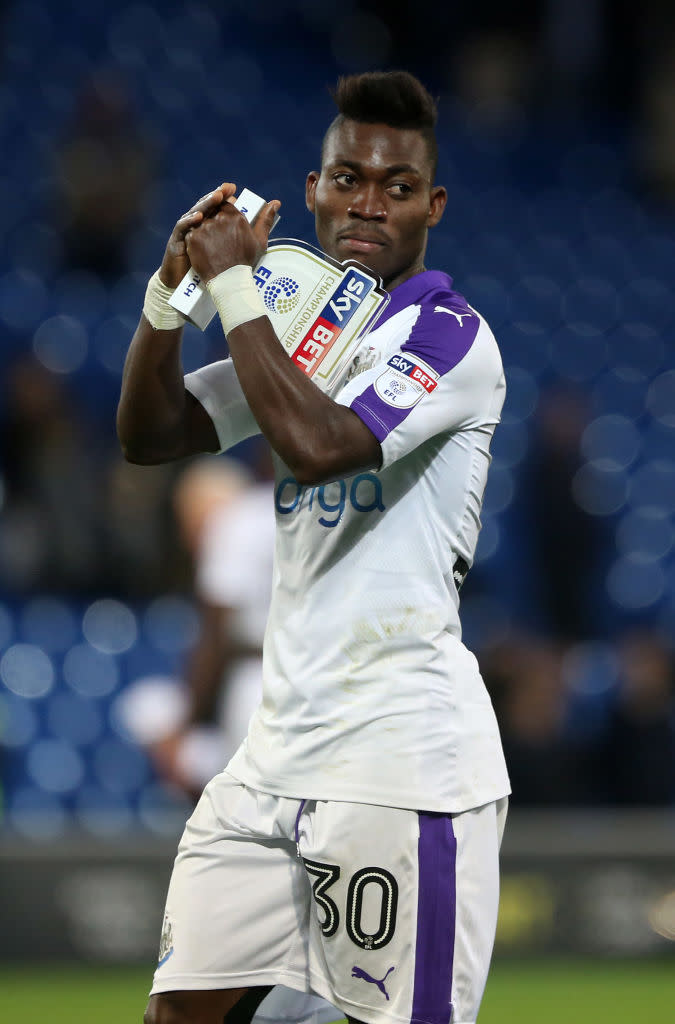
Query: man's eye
[(343, 178), (400, 188)]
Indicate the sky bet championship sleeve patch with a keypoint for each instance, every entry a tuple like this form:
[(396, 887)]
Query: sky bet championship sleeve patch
[(404, 381)]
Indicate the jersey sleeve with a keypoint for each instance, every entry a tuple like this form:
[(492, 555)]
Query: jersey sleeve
[(216, 386), (445, 377)]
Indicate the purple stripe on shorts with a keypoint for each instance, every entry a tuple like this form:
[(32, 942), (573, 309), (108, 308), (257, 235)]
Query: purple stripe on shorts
[(297, 821), (436, 906)]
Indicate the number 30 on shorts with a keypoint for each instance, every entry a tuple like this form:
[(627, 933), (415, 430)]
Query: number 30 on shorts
[(325, 875)]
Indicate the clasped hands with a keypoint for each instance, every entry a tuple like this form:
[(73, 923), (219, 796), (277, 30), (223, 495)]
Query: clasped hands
[(214, 236)]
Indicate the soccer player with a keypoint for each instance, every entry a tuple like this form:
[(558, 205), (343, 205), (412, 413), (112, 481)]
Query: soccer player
[(351, 845)]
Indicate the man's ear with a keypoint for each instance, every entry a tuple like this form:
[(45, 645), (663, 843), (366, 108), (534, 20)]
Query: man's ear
[(310, 190), (437, 200)]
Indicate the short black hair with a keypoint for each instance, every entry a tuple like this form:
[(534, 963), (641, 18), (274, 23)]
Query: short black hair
[(395, 98)]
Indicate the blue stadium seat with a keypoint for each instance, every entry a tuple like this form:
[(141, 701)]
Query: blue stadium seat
[(119, 767), (163, 810), (601, 489), (612, 439), (102, 813), (90, 672), (634, 585), (55, 766), (522, 395), (75, 719), (653, 484), (35, 814), (170, 624), (27, 671), (110, 626), (647, 532), (19, 722), (61, 343)]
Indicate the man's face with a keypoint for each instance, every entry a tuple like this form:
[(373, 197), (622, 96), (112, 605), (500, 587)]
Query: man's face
[(373, 200)]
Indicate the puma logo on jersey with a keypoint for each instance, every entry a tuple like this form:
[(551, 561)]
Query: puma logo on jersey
[(460, 316), (358, 972)]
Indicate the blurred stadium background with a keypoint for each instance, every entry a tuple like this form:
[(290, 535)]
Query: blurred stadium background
[(557, 138)]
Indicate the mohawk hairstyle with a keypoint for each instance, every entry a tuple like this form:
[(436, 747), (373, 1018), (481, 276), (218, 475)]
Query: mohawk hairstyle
[(394, 98)]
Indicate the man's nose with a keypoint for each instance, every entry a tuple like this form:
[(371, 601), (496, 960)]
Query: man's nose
[(367, 203)]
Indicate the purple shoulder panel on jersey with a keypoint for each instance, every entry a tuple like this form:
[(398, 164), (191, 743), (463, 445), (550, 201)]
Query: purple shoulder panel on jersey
[(443, 333)]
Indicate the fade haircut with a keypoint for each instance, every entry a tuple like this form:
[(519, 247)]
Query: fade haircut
[(394, 98)]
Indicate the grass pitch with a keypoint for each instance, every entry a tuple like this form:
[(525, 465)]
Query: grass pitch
[(548, 992)]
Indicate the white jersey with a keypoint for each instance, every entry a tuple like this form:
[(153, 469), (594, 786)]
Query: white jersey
[(369, 694), (235, 563), (234, 571)]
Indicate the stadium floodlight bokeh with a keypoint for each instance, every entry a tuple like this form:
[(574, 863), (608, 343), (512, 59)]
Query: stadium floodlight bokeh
[(560, 229)]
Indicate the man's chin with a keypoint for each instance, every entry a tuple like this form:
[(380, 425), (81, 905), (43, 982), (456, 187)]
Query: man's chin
[(369, 256)]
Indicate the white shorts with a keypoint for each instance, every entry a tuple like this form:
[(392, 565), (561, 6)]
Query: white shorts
[(288, 1006), (388, 914)]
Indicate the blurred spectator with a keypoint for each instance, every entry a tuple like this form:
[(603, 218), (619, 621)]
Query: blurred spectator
[(636, 760), (226, 523), (494, 77), (51, 471), (546, 768), (74, 518), (656, 132), (142, 555), (233, 583), (226, 519), (566, 543), (104, 168)]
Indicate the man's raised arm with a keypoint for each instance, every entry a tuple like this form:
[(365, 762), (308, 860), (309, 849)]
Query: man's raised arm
[(318, 439), (157, 419)]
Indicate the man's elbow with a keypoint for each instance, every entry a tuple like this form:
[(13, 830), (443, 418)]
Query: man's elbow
[(140, 456), (311, 469), (140, 450), (307, 477), (333, 457), (136, 442)]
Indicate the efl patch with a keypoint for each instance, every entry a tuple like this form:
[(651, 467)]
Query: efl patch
[(405, 381)]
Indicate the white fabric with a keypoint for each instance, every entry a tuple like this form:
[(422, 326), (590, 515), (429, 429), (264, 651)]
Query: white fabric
[(236, 297), (370, 695), (156, 308), (287, 1006), (236, 561), (288, 914), (234, 571), (217, 388)]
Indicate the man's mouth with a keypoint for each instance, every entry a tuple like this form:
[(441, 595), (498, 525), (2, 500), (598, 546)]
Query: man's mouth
[(359, 243)]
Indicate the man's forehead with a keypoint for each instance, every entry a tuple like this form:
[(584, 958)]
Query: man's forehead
[(377, 145)]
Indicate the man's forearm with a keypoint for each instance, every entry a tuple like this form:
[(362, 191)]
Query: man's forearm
[(157, 421), (208, 663), (151, 409), (318, 439)]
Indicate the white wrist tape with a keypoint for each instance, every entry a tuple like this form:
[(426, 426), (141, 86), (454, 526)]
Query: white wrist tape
[(236, 297), (156, 308)]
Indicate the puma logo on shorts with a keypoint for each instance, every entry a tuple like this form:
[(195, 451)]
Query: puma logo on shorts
[(358, 972)]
